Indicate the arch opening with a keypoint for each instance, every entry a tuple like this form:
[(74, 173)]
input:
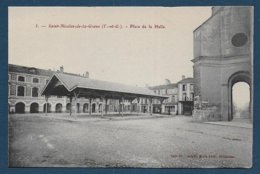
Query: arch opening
[(68, 107), (241, 101), (100, 108), (48, 108), (34, 108), (93, 109), (20, 108), (85, 107), (78, 108), (58, 108), (240, 97)]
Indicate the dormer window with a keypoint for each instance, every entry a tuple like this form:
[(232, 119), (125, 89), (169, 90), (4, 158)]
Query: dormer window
[(35, 80), (183, 87), (21, 79), (32, 70)]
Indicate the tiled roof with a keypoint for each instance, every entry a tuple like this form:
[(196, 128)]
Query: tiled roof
[(169, 86), (33, 70), (187, 80), (72, 82), (29, 70)]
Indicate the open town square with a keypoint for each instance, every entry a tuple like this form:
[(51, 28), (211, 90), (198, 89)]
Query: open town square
[(130, 141), (157, 88)]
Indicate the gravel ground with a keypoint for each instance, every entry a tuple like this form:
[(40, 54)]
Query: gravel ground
[(158, 142)]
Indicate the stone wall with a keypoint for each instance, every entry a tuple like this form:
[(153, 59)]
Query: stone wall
[(209, 114)]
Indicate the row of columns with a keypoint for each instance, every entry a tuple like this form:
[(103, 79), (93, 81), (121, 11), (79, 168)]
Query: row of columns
[(103, 98)]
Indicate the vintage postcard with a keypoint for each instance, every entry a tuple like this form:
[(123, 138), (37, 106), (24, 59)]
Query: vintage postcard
[(138, 87)]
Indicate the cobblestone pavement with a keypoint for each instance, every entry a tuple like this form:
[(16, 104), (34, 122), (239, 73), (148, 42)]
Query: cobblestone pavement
[(167, 142)]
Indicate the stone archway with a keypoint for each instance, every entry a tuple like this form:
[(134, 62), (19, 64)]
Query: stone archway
[(58, 108), (93, 109), (241, 76), (100, 108), (20, 108), (68, 107), (34, 108), (85, 107), (78, 108), (48, 107)]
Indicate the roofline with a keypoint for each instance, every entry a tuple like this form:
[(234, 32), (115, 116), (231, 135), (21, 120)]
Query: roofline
[(153, 95), (78, 86), (46, 84), (161, 86), (211, 16), (186, 82), (29, 67), (56, 75)]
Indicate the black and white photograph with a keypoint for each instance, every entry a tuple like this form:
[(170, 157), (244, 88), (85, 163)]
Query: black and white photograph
[(130, 87)]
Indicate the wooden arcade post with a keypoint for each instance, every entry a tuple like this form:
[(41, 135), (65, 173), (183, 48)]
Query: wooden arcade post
[(70, 105), (90, 106), (46, 105), (151, 105), (75, 97)]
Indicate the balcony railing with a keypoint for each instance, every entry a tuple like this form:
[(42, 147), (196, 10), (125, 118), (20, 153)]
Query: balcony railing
[(185, 98)]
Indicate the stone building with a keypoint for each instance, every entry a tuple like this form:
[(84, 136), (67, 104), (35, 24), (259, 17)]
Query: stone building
[(185, 96), (25, 85), (169, 106), (222, 57)]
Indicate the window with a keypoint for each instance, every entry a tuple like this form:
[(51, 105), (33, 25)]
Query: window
[(170, 91), (35, 92), (239, 39), (21, 79), (173, 99), (184, 97), (35, 80), (162, 91), (183, 87), (20, 91), (32, 70), (191, 87), (9, 77), (192, 97)]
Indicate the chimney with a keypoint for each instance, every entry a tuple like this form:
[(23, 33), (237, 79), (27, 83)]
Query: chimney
[(167, 82), (61, 69), (183, 77)]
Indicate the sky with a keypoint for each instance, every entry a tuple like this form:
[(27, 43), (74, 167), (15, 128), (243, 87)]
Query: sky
[(241, 91), (133, 52)]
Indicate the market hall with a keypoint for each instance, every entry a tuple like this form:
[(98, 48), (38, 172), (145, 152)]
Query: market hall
[(75, 87)]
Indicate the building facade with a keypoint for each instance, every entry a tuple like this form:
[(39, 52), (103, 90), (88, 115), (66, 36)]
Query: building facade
[(185, 96), (222, 57), (170, 105), (24, 93), (26, 83)]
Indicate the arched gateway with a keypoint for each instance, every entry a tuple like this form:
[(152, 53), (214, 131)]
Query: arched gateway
[(222, 58), (241, 76)]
